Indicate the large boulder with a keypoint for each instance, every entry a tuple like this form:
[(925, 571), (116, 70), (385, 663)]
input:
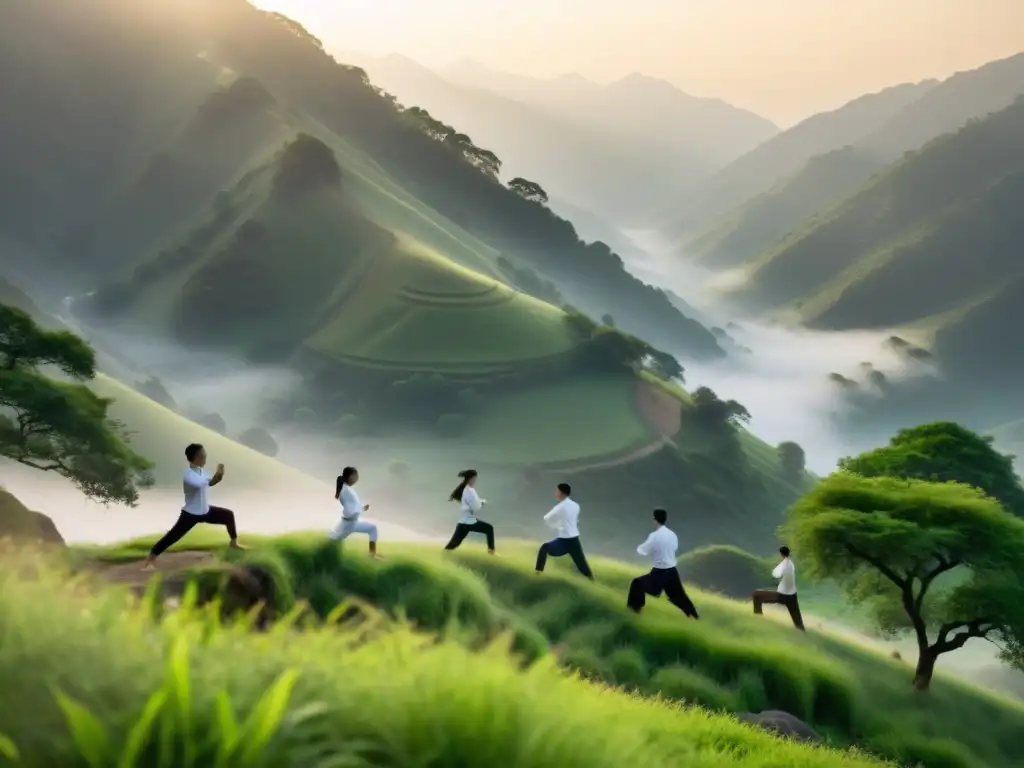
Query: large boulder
[(20, 524), (781, 723)]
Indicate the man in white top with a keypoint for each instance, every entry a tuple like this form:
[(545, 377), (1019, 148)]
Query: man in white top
[(196, 509), (661, 547), (785, 593), (564, 518)]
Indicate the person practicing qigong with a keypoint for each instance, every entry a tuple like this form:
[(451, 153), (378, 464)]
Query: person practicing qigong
[(470, 505), (196, 482), (351, 510), (564, 518), (661, 547), (785, 593)]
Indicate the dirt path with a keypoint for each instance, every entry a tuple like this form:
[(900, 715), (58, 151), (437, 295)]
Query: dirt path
[(131, 575)]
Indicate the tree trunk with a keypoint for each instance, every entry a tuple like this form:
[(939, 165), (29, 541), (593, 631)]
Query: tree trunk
[(926, 659)]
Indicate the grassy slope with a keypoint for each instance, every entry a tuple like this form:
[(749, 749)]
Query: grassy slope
[(391, 702), (161, 435), (945, 212), (728, 661)]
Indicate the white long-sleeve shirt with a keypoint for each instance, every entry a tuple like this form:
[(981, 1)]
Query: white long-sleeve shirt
[(470, 506), (785, 572), (196, 482), (661, 546), (564, 517), (351, 507)]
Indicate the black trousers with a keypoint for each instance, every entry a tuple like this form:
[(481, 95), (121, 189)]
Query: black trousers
[(462, 530), (654, 583), (770, 596), (560, 547), (186, 522)]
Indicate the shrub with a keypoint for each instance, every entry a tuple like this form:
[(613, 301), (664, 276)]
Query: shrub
[(213, 421), (260, 440), (452, 424), (728, 570)]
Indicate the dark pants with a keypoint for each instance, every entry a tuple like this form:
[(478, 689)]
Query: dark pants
[(770, 596), (559, 548), (186, 522), (462, 530), (654, 583)]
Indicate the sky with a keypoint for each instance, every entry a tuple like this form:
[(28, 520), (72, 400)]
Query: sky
[(784, 59)]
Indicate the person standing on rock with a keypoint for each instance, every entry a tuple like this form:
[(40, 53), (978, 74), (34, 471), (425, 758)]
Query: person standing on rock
[(785, 593), (351, 510), (564, 518), (470, 505), (661, 547), (196, 482)]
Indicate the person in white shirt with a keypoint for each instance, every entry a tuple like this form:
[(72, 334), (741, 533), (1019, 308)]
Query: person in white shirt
[(564, 518), (196, 482), (470, 505), (785, 593), (351, 510), (661, 547)]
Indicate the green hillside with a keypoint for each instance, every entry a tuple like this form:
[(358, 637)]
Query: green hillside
[(176, 141), (823, 182), (729, 661), (330, 694), (937, 232)]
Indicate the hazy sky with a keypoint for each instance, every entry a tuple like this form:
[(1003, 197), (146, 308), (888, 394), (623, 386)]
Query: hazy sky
[(782, 58)]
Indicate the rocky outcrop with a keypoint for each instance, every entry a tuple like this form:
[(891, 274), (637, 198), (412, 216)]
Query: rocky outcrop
[(781, 723), (19, 524)]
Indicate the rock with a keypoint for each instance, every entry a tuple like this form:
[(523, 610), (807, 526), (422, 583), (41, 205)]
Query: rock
[(21, 524), (781, 723)]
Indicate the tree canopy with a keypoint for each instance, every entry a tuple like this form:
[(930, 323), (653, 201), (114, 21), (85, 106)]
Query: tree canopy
[(940, 559), (944, 451), (792, 458), (528, 190), (712, 412), (61, 426)]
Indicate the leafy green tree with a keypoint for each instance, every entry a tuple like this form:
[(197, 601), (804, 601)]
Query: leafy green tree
[(663, 365), (792, 458), (528, 190), (62, 426), (944, 451), (940, 559), (713, 412), (607, 319)]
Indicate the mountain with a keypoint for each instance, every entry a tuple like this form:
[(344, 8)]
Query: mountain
[(759, 170), (241, 197), (549, 148), (879, 128), (694, 136), (931, 244)]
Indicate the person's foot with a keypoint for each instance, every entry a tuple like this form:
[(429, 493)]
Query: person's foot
[(374, 556), (149, 565), (235, 545), (537, 573), (491, 552)]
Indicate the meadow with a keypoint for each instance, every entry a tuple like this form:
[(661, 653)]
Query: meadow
[(729, 661)]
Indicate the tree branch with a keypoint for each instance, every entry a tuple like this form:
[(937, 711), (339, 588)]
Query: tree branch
[(979, 628), (926, 581), (885, 570)]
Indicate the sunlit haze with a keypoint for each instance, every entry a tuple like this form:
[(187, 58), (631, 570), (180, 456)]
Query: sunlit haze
[(784, 59)]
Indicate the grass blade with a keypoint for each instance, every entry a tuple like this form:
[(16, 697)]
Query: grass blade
[(266, 717), (228, 732), (89, 734), (139, 735), (8, 749), (180, 686)]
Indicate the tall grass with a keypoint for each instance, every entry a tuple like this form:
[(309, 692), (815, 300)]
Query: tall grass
[(91, 681)]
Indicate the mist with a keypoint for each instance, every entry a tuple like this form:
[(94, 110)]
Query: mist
[(779, 373)]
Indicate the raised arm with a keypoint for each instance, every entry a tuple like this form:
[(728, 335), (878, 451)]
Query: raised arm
[(218, 475), (197, 480), (779, 570), (645, 548), (554, 517)]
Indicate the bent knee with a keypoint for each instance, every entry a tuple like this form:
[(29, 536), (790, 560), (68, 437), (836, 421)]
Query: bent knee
[(372, 531)]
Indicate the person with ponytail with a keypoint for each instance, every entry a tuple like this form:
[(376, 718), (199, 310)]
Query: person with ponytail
[(351, 510), (470, 505)]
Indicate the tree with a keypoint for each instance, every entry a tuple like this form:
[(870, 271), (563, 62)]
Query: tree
[(607, 319), (940, 559), (306, 164), (792, 458), (62, 426), (712, 412), (944, 451), (663, 365), (528, 190)]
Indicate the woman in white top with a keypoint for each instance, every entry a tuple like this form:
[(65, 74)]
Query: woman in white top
[(351, 510), (470, 505)]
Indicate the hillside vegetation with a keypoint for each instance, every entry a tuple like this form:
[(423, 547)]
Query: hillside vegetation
[(938, 232), (188, 691), (148, 117), (729, 661)]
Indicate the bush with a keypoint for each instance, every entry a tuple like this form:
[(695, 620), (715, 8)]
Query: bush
[(728, 570), (260, 440), (452, 424), (213, 421), (155, 390)]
